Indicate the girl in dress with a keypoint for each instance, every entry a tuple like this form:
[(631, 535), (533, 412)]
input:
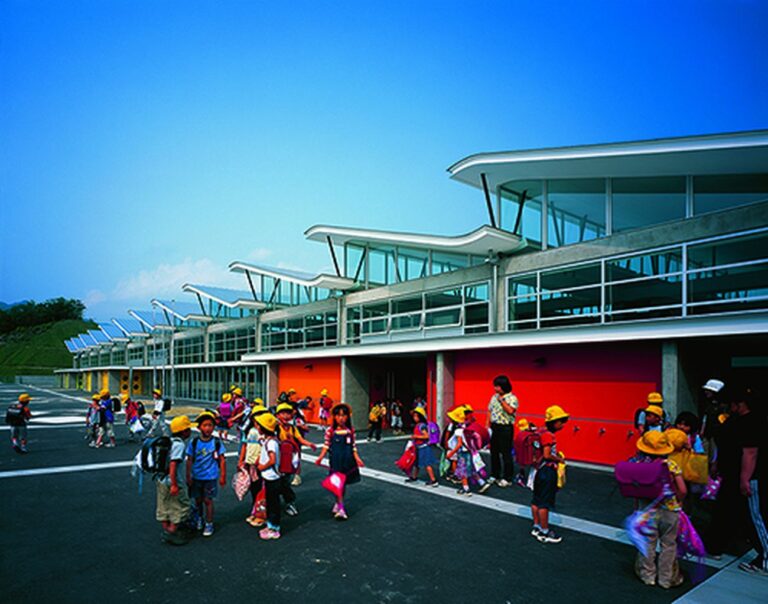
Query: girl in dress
[(340, 445)]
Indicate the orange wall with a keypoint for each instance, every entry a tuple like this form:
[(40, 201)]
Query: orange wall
[(308, 377)]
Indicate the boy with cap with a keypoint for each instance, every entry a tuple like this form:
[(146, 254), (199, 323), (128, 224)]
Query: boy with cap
[(17, 416), (206, 469), (545, 482), (287, 432), (158, 414), (172, 498), (651, 417)]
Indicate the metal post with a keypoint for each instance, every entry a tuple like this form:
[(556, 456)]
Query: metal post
[(487, 193)]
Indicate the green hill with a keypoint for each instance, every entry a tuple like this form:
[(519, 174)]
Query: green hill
[(38, 350)]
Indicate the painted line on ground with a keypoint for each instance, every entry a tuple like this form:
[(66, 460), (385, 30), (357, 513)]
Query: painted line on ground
[(730, 584)]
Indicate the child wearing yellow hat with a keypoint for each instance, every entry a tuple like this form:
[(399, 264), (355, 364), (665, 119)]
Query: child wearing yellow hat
[(206, 470), (92, 420), (250, 451), (172, 498), (545, 481), (424, 455), (268, 424), (652, 416), (654, 447), (325, 403), (17, 416)]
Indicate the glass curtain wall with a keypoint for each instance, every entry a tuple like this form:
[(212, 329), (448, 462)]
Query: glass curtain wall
[(521, 208), (639, 202), (575, 211), (720, 192), (308, 331)]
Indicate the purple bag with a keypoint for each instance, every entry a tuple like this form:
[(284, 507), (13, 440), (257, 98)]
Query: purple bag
[(642, 480), (712, 489)]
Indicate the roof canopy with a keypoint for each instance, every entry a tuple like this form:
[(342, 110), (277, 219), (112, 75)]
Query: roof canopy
[(232, 298), (151, 319), (131, 327), (99, 336), (183, 311), (741, 152), (323, 280), (481, 242), (113, 332)]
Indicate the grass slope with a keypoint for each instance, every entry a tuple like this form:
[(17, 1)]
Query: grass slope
[(38, 350)]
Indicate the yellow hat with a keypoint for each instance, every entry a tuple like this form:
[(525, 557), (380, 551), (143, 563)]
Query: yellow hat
[(104, 392), (291, 391), (232, 387), (284, 407), (158, 392), (123, 396), (226, 397), (655, 409), (237, 391), (523, 424), (467, 408), (95, 396), (654, 398), (554, 413), (258, 410), (421, 411), (324, 392), (654, 442), (180, 423), (677, 438), (205, 415), (24, 397), (268, 421), (258, 401), (456, 415)]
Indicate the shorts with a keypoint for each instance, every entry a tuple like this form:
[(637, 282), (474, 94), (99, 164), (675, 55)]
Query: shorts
[(207, 489), (425, 456), (170, 508), (545, 488)]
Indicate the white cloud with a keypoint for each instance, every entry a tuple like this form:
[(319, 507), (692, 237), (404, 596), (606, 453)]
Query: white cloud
[(94, 297), (260, 253), (166, 280)]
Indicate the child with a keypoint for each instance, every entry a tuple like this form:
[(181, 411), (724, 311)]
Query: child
[(290, 433), (376, 418), (250, 451), (642, 422), (205, 467), (653, 419), (106, 420), (225, 411), (92, 421), (424, 456), (17, 416), (172, 498), (340, 442), (524, 449), (325, 403), (653, 447), (269, 458), (689, 423), (158, 414), (396, 416), (545, 482), (459, 454)]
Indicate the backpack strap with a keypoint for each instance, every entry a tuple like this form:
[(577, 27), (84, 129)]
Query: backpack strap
[(194, 447)]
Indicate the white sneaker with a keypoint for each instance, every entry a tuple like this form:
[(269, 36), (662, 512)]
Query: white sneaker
[(208, 530), (503, 483), (296, 480)]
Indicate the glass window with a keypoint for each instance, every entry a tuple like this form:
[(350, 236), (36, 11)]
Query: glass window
[(449, 297), (476, 293), (443, 318), (644, 265), (377, 309), (579, 306), (723, 191), (524, 285), (377, 267), (728, 251), (406, 305), (576, 210), (579, 276), (412, 264), (521, 203), (646, 294), (411, 321), (353, 256), (639, 202), (445, 263)]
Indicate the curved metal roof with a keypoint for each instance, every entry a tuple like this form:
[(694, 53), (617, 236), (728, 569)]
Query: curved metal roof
[(131, 327), (739, 152), (323, 280), (183, 311), (480, 242), (232, 298)]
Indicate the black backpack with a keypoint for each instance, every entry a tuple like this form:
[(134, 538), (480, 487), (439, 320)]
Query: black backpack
[(116, 405), (14, 416), (140, 409), (166, 404), (156, 455)]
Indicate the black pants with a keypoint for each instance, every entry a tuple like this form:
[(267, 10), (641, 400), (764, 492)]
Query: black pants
[(375, 429), (285, 488), (729, 518), (274, 488), (501, 451)]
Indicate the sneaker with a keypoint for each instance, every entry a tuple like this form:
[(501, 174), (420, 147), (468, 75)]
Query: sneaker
[(341, 514), (676, 582), (257, 522), (465, 491), (410, 479), (335, 509), (17, 448), (109, 446), (520, 482), (752, 568), (491, 480), (92, 444), (268, 533), (291, 510), (484, 487), (296, 480), (549, 536), (208, 530), (432, 483), (199, 524), (536, 531), (503, 483)]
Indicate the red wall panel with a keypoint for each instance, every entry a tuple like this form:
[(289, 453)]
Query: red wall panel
[(601, 386), (308, 377)]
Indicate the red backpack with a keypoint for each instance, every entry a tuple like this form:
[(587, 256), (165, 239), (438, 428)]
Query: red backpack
[(288, 449), (642, 480), (528, 447)]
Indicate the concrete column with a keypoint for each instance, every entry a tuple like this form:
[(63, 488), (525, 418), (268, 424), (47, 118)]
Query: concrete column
[(444, 371), (272, 374), (675, 386), (498, 300), (341, 321), (114, 382), (355, 378)]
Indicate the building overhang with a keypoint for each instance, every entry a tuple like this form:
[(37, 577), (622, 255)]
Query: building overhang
[(480, 242), (184, 312), (736, 153), (322, 280), (226, 297)]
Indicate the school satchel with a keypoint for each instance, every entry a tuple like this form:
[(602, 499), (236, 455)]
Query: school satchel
[(289, 456), (14, 416), (156, 455), (696, 468), (642, 480)]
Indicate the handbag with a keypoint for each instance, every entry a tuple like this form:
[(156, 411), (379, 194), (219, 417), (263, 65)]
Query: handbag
[(241, 482), (407, 459), (696, 468)]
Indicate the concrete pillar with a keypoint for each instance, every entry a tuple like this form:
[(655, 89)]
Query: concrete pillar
[(114, 382), (445, 377), (675, 386), (272, 375), (355, 378)]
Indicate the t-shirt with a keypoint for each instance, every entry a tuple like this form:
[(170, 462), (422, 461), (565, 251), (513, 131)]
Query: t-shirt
[(741, 432), (496, 409), (205, 461), (109, 415), (458, 433), (270, 445), (252, 442), (178, 454), (547, 439), (421, 430), (159, 405)]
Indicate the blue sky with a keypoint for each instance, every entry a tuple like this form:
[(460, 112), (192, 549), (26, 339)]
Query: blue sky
[(144, 144)]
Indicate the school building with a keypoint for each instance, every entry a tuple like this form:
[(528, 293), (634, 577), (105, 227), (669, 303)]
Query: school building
[(604, 272)]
